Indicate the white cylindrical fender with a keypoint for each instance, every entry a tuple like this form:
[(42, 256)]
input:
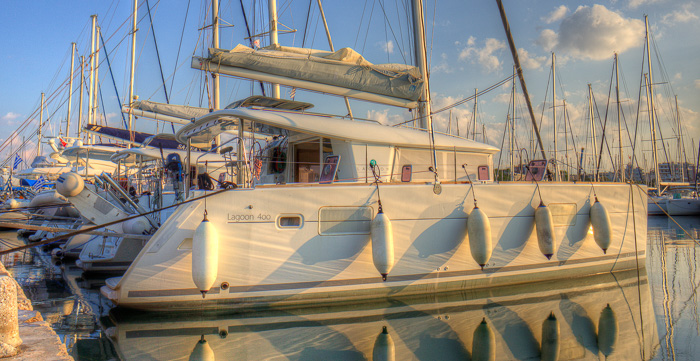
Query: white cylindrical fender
[(602, 228), (136, 226), (202, 351), (544, 224), (70, 184), (383, 347), (479, 232), (382, 244), (607, 331), (47, 198), (484, 343), (205, 256), (550, 338)]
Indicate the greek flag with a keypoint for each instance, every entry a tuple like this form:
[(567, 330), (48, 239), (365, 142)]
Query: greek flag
[(18, 161), (39, 183)]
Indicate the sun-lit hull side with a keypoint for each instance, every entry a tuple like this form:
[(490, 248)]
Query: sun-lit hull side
[(264, 265), (454, 326)]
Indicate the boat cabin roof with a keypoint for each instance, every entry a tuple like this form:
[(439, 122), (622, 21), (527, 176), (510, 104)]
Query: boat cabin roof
[(150, 154), (209, 126)]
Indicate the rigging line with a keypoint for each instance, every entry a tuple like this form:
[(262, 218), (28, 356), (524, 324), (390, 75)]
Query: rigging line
[(362, 18), (160, 65), (109, 66), (470, 98), (546, 94), (603, 141), (179, 47), (387, 22), (250, 39), (306, 23), (600, 123), (432, 37), (369, 22)]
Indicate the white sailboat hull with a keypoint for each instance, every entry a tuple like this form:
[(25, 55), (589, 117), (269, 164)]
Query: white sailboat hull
[(328, 256)]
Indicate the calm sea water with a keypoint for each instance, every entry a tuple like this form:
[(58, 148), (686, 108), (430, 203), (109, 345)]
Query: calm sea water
[(651, 315)]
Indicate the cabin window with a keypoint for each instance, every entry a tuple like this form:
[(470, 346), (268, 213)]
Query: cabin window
[(308, 159), (289, 221), (449, 165)]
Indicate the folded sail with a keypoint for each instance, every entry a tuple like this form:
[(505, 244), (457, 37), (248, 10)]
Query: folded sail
[(341, 70)]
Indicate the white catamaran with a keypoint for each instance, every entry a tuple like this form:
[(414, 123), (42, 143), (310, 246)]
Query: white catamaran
[(348, 209)]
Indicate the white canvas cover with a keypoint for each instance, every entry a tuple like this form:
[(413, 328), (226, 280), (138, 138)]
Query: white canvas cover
[(344, 68), (173, 110)]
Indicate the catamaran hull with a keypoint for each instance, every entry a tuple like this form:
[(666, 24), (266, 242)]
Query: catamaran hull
[(301, 245)]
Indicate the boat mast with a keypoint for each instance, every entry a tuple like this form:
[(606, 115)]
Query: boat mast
[(512, 131), (215, 44), (272, 9), (425, 118), (41, 123), (619, 120), (554, 116), (476, 109), (91, 93), (681, 146), (80, 101), (516, 60), (97, 75), (132, 69), (70, 92), (330, 45), (652, 112), (593, 137)]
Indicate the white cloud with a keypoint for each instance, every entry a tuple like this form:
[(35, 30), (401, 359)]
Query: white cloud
[(633, 4), (697, 83), (680, 16), (383, 117), (10, 116), (387, 46), (530, 62), (471, 41), (484, 56), (593, 33), (548, 39), (556, 14)]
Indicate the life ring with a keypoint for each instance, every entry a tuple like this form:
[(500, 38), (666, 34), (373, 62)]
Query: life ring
[(278, 161)]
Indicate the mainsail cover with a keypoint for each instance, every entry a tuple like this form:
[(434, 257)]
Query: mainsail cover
[(344, 68), (173, 110)]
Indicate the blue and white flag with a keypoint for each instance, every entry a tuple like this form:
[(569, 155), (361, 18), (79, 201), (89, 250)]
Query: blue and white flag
[(39, 183), (18, 161)]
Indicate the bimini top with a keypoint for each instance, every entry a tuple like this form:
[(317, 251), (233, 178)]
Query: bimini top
[(207, 127)]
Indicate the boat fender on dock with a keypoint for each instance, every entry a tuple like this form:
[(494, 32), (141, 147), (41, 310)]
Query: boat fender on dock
[(382, 243), (479, 232), (544, 224), (600, 221), (384, 347), (205, 255)]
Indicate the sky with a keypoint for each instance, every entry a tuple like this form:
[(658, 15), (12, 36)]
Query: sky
[(467, 50)]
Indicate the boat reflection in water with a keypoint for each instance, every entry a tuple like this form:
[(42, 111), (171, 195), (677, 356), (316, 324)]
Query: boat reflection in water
[(607, 316)]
